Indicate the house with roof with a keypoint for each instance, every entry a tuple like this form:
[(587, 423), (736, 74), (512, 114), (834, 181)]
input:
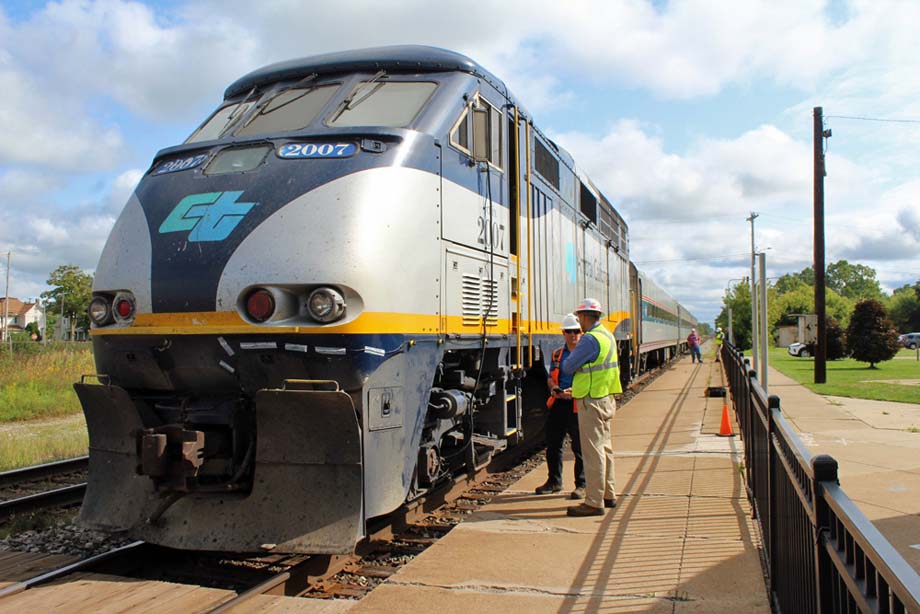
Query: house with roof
[(21, 314)]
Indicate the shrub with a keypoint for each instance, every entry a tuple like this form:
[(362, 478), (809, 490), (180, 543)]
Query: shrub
[(836, 343)]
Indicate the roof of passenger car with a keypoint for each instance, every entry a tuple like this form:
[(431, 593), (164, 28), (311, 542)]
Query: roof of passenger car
[(397, 58)]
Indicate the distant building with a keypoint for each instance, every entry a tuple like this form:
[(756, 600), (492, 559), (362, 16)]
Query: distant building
[(805, 331), (63, 331), (21, 314)]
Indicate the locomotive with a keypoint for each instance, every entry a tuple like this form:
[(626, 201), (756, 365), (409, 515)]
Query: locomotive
[(337, 293)]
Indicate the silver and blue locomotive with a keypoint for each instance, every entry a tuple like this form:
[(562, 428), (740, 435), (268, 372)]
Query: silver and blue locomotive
[(337, 293)]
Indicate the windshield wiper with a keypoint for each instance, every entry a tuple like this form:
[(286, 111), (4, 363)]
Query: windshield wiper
[(366, 89), (233, 117), (262, 106)]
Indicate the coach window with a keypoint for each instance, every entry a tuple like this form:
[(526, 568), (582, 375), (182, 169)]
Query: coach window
[(392, 104), (290, 109)]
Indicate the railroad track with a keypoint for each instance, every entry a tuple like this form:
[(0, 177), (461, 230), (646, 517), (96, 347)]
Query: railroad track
[(393, 542), (41, 472), (37, 487)]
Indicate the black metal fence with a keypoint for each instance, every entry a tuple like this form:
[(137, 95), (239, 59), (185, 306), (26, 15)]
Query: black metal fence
[(823, 554)]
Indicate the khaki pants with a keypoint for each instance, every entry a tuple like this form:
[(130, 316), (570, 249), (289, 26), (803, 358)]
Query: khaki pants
[(594, 420)]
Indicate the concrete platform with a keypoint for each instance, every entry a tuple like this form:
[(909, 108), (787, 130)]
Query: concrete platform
[(877, 448), (680, 540)]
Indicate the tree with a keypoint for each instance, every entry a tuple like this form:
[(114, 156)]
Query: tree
[(794, 281), (72, 287), (854, 281), (739, 299), (802, 300), (904, 308), (32, 329), (871, 337)]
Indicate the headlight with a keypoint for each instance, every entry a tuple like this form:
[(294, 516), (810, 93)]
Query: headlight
[(325, 305), (100, 311)]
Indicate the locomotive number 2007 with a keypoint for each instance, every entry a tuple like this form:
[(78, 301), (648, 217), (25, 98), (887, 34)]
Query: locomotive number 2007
[(316, 150), (494, 239)]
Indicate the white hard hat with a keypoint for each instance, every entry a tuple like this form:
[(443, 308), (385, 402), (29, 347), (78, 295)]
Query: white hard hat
[(589, 304), (718, 329), (692, 330), (570, 322)]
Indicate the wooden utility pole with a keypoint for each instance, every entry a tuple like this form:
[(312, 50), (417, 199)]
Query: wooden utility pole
[(820, 306)]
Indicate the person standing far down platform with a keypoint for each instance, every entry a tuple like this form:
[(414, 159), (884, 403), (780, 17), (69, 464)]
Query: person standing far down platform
[(562, 418), (693, 342), (596, 378), (719, 337)]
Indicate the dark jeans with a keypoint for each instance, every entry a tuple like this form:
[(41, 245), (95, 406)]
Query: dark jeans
[(562, 420), (695, 354)]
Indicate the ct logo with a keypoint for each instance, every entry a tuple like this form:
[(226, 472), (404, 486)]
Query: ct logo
[(210, 216)]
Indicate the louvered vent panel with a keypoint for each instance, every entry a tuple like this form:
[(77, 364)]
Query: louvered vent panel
[(475, 299), (471, 300), (490, 289)]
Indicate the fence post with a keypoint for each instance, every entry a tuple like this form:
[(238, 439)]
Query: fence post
[(773, 403), (751, 446), (824, 469)]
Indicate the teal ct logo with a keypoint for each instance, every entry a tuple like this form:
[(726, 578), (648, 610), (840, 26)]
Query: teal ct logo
[(210, 216)]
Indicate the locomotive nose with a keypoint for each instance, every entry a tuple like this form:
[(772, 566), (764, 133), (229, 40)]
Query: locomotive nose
[(150, 480)]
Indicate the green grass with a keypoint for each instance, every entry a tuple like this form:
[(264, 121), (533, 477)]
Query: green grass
[(35, 442), (40, 416), (38, 383), (849, 378)]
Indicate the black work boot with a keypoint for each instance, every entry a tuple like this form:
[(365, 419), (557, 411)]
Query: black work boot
[(548, 488)]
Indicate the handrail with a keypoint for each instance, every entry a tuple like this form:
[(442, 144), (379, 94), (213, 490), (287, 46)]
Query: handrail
[(823, 554)]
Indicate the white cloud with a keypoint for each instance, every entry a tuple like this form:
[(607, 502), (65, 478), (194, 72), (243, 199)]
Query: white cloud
[(122, 188), (39, 129)]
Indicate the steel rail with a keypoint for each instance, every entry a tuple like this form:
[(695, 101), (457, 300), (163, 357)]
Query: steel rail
[(68, 495), (37, 472)]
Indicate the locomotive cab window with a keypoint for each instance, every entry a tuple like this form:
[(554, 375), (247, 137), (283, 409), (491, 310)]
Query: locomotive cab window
[(392, 104), (224, 119), (479, 130), (290, 109)]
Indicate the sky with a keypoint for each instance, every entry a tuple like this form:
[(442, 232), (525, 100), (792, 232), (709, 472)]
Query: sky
[(688, 114)]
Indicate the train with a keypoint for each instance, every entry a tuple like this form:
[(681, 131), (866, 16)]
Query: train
[(341, 291)]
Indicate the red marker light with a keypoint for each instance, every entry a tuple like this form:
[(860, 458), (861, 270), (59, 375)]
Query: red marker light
[(260, 305), (124, 308)]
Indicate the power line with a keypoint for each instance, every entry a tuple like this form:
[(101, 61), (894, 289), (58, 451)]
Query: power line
[(874, 119), (722, 257)]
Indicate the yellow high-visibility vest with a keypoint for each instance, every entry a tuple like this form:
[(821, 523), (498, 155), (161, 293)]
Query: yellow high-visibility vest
[(601, 377)]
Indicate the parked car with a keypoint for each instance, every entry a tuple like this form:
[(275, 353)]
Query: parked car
[(910, 340), (799, 349)]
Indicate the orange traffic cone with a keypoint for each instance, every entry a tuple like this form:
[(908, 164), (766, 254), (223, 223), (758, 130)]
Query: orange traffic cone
[(726, 429)]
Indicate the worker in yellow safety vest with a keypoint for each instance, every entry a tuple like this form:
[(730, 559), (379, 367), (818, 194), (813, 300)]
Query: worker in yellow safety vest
[(561, 418), (596, 378)]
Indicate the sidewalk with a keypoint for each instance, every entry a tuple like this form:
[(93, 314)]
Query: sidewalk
[(876, 449), (680, 540)]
